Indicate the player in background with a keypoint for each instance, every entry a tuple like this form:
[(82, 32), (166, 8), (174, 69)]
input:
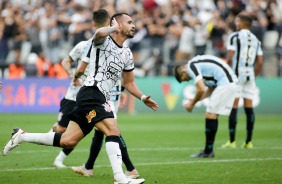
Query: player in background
[(1, 86), (244, 49), (112, 60), (221, 82)]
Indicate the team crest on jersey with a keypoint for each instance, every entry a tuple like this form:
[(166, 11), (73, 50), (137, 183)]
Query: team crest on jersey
[(60, 115), (91, 115), (107, 107)]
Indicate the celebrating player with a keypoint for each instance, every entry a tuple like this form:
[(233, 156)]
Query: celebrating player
[(221, 82)]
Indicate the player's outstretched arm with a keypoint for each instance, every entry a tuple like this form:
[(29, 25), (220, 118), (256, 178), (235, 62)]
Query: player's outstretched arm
[(129, 84)]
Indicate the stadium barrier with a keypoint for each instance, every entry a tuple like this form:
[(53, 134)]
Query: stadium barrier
[(43, 95)]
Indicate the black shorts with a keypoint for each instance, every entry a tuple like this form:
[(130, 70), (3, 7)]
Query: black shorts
[(66, 106), (91, 108)]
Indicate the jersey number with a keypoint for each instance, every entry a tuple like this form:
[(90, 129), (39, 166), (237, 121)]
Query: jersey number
[(248, 55)]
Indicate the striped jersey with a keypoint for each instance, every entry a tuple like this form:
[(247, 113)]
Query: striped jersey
[(246, 48), (106, 62), (213, 70), (76, 55)]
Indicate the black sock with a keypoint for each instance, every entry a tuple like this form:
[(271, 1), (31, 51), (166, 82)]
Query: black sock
[(125, 157), (67, 151), (95, 148), (211, 128), (250, 123), (232, 124), (57, 139)]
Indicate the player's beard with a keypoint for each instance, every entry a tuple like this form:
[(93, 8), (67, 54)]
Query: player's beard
[(128, 34)]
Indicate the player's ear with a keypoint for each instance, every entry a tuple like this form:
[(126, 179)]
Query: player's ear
[(93, 23)]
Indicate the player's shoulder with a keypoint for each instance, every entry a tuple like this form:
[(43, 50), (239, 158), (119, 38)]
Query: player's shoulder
[(234, 34)]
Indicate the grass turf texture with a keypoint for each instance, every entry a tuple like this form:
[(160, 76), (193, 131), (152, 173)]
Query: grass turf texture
[(159, 146)]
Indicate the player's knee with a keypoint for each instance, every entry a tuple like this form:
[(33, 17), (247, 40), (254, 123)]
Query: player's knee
[(59, 129), (68, 143)]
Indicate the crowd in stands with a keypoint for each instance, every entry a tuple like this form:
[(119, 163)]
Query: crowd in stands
[(35, 35)]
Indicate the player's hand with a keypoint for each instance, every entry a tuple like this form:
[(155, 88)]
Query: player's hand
[(122, 100), (76, 82), (150, 103), (115, 24), (189, 106)]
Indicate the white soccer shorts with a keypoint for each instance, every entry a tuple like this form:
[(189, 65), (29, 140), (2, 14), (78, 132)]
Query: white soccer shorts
[(222, 99), (114, 106), (246, 89)]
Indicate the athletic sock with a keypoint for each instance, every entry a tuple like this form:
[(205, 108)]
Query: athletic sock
[(61, 156), (211, 128), (95, 148), (38, 138), (250, 123), (114, 153), (232, 124), (125, 157)]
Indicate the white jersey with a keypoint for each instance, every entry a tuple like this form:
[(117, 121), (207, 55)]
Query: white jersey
[(76, 55), (246, 48), (106, 62)]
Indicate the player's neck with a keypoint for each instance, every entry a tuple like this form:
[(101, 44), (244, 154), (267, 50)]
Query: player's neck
[(119, 39)]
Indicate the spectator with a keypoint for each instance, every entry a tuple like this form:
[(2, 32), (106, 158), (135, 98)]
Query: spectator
[(44, 66), (16, 70)]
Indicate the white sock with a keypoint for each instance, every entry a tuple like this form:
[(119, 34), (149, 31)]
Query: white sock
[(38, 138), (61, 156), (114, 154)]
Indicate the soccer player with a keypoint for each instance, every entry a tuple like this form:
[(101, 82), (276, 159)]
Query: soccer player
[(112, 59), (243, 50), (69, 102), (221, 86)]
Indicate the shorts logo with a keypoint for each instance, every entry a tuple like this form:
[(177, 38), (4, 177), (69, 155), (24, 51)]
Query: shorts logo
[(107, 107), (60, 115), (91, 115)]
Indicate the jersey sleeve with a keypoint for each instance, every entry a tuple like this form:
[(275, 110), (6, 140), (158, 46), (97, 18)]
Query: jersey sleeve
[(259, 51), (129, 61), (76, 52), (194, 72), (231, 42), (87, 51)]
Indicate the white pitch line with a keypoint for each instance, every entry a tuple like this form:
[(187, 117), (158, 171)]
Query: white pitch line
[(159, 163), (143, 149)]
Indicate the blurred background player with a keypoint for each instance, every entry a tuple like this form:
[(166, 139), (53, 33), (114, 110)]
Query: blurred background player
[(1, 86), (243, 50), (221, 82)]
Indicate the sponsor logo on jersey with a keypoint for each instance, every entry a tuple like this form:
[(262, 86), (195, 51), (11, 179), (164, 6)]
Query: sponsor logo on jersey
[(107, 107), (91, 115)]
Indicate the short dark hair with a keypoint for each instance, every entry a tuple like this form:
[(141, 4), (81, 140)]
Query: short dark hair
[(117, 16), (246, 19), (177, 72), (100, 17)]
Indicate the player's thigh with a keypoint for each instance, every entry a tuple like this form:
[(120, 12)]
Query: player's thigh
[(236, 102), (108, 126), (222, 99), (248, 91), (72, 135)]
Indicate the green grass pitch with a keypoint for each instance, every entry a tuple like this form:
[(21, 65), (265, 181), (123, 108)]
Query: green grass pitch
[(159, 146)]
